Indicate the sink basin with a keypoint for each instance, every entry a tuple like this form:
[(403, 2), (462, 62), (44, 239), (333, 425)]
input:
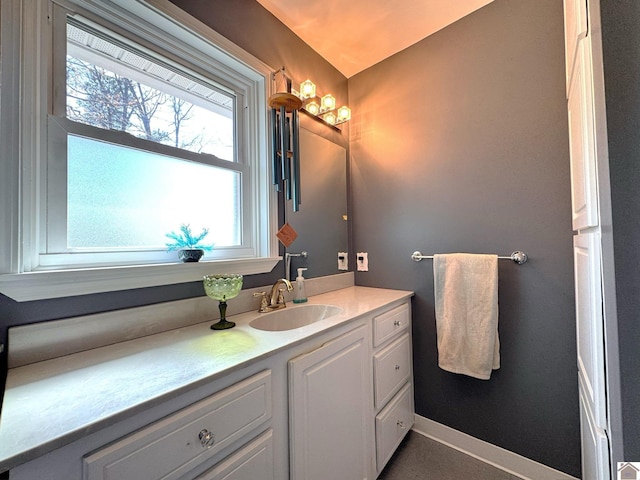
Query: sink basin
[(294, 317)]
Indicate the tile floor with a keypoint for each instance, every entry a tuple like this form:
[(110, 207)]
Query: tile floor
[(420, 458)]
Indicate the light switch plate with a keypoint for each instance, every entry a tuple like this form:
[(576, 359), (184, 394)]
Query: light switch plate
[(362, 261), (343, 261)]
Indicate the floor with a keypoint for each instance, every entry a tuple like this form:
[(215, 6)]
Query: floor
[(421, 458)]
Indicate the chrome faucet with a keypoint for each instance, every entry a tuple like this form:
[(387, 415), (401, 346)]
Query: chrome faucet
[(276, 296)]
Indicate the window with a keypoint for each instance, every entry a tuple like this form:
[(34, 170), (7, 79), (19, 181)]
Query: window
[(149, 146), (140, 126)]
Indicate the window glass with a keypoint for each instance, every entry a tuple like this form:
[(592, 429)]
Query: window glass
[(124, 198), (117, 87), (122, 195)]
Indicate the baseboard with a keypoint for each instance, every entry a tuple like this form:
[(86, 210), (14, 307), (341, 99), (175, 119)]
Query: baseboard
[(493, 455)]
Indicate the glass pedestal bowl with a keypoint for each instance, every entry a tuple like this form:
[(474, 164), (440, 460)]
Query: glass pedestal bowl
[(222, 288)]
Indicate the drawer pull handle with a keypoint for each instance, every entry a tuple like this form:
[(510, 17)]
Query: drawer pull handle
[(397, 323), (397, 367), (400, 423), (207, 439)]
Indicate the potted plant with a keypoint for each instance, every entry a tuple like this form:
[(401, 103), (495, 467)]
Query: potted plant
[(187, 244)]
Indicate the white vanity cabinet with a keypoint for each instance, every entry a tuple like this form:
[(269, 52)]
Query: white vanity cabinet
[(393, 381), (351, 399), (171, 447), (329, 398), (227, 433)]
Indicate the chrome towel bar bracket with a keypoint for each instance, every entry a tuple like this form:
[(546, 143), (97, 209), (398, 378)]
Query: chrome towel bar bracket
[(516, 257)]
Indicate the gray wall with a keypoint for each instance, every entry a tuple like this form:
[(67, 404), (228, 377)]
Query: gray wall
[(621, 45), (460, 143)]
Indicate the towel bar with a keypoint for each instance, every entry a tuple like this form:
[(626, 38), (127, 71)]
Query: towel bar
[(516, 257)]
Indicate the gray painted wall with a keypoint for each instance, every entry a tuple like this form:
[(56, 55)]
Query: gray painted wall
[(459, 144), (621, 46)]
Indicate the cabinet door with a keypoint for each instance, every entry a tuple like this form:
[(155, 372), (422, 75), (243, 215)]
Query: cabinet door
[(589, 324), (329, 409), (584, 201), (595, 445), (575, 26)]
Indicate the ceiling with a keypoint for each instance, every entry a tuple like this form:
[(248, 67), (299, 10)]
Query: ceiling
[(352, 35)]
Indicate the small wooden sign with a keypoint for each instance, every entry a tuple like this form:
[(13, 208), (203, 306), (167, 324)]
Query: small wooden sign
[(287, 235)]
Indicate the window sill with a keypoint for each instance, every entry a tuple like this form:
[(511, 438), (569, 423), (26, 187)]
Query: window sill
[(24, 287)]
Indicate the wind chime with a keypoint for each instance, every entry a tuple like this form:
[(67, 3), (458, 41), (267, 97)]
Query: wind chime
[(285, 138)]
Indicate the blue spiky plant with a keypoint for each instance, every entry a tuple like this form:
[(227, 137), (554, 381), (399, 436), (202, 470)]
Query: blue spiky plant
[(187, 240)]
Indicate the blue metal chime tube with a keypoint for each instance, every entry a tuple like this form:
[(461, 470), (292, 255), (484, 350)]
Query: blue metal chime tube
[(295, 147), (275, 142), (287, 158), (284, 147)]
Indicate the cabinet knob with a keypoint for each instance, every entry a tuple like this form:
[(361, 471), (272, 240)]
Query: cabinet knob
[(397, 323), (400, 423), (397, 367), (207, 439)]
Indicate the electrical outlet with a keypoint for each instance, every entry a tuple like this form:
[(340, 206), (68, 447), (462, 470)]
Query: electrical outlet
[(362, 261), (343, 261)]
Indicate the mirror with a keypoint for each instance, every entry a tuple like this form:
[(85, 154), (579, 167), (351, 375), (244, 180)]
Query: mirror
[(321, 221)]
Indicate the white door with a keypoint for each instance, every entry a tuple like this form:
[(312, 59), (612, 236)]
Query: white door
[(588, 268), (329, 401), (575, 23), (590, 345), (589, 324), (584, 200), (595, 445)]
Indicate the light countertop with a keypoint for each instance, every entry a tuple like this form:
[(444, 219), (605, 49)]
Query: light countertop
[(52, 403)]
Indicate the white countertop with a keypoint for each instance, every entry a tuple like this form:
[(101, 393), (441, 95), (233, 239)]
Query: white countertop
[(55, 402)]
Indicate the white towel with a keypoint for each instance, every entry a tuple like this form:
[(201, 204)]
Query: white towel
[(466, 297)]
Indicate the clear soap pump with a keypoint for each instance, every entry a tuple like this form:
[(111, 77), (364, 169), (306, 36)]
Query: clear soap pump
[(301, 293)]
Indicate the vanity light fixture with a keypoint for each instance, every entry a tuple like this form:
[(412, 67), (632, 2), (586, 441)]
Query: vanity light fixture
[(324, 107), (285, 128)]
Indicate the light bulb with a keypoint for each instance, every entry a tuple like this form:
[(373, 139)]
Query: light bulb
[(344, 114), (313, 108), (328, 102), (307, 89), (330, 118)]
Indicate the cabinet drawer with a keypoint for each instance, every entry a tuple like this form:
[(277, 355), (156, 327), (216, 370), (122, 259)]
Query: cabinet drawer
[(254, 460), (174, 445), (390, 324), (392, 424), (391, 369)]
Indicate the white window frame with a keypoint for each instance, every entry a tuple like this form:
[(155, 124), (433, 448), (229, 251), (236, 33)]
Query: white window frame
[(27, 29)]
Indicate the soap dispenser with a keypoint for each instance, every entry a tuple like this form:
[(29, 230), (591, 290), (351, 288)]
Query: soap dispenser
[(301, 293)]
